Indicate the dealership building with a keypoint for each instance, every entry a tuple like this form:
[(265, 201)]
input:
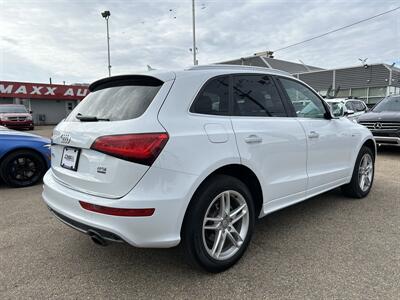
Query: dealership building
[(49, 103), (370, 83)]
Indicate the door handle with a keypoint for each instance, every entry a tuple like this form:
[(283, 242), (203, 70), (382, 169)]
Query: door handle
[(253, 139), (313, 135)]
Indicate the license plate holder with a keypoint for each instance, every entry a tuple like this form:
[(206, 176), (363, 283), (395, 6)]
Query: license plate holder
[(70, 158)]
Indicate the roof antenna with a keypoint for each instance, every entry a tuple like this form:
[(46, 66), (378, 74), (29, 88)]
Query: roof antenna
[(149, 68), (364, 62)]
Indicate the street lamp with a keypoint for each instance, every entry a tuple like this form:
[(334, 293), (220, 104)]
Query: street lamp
[(106, 15), (194, 35)]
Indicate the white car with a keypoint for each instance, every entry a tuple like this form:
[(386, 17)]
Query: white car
[(195, 156), (350, 108)]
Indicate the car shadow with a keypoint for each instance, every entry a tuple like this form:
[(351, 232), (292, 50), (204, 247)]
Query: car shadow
[(127, 260)]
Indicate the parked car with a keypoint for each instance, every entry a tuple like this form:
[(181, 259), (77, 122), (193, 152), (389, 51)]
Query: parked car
[(384, 121), (15, 116), (24, 157), (195, 156), (351, 108)]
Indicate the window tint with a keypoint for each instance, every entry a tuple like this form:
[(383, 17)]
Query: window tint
[(12, 109), (349, 106), (256, 95), (306, 103), (116, 103), (358, 105), (214, 98)]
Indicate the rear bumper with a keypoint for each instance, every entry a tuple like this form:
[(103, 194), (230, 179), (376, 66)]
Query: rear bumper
[(387, 140), (17, 124), (161, 230)]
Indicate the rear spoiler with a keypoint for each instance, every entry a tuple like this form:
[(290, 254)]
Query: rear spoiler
[(124, 80)]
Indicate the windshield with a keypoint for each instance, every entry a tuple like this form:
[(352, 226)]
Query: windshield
[(115, 103), (12, 109), (388, 104)]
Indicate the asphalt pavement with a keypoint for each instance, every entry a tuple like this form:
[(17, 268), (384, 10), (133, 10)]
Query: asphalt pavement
[(328, 247)]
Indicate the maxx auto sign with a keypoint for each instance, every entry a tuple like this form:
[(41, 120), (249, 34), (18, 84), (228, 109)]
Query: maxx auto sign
[(9, 89)]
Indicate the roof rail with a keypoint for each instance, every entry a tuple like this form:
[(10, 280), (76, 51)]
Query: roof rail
[(236, 67)]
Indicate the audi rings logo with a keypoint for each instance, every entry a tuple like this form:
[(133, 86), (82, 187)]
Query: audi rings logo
[(65, 138), (378, 125)]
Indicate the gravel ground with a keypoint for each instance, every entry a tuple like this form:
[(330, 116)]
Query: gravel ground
[(326, 247)]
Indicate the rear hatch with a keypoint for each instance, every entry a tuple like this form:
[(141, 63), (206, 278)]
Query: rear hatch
[(90, 148)]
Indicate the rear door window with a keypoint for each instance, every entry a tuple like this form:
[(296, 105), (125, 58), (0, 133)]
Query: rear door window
[(118, 103), (349, 106), (358, 105), (213, 98), (256, 95)]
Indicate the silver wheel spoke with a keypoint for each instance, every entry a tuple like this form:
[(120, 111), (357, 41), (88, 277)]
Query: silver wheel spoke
[(227, 203), (216, 242), (232, 239), (222, 205), (217, 219), (241, 215), (237, 210), (214, 226), (362, 182), (221, 245), (233, 230), (366, 181)]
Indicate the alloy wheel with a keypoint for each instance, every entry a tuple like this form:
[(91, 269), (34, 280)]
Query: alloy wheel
[(365, 172), (225, 225)]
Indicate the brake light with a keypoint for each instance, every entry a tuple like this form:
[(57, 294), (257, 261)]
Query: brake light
[(141, 148), (120, 212)]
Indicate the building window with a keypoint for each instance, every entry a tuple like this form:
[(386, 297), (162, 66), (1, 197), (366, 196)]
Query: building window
[(359, 93), (377, 92)]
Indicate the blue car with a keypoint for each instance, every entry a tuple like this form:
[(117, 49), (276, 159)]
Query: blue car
[(24, 157)]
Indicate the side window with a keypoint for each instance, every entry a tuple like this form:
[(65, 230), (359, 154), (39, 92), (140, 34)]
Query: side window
[(306, 103), (358, 105), (349, 106), (256, 95), (213, 98)]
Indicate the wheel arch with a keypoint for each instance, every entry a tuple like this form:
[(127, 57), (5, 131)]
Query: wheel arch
[(370, 143), (10, 151), (241, 172)]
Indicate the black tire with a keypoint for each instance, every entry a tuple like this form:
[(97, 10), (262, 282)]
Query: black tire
[(193, 240), (353, 189), (22, 168)]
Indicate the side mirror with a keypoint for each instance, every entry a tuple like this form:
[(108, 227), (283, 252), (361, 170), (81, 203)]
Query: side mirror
[(31, 111), (349, 112)]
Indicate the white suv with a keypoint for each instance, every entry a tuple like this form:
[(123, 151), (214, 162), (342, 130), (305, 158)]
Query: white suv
[(195, 156)]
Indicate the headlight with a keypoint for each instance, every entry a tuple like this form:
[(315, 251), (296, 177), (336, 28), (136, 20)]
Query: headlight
[(29, 118), (3, 118), (48, 146)]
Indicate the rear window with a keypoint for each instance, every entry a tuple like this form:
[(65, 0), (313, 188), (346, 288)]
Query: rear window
[(13, 109), (117, 103)]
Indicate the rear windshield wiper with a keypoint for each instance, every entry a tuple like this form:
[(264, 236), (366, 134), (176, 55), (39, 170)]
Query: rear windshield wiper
[(84, 118)]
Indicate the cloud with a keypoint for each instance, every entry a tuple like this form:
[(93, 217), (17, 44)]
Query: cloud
[(66, 40)]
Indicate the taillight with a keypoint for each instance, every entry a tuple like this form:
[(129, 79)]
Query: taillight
[(120, 212), (141, 148)]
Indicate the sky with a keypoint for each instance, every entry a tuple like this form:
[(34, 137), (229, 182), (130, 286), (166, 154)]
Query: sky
[(66, 39)]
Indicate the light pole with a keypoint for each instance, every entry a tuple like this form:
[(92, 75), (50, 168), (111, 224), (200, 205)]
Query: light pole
[(106, 15), (194, 35)]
